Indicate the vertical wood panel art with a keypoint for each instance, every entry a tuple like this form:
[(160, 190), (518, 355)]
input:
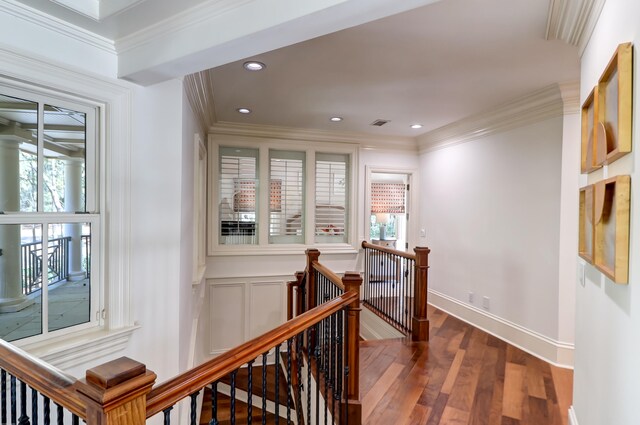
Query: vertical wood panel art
[(589, 136), (611, 232), (586, 224), (614, 106)]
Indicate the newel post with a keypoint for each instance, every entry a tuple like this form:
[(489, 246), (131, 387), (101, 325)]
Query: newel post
[(116, 392), (352, 281), (419, 321), (312, 257), (297, 286)]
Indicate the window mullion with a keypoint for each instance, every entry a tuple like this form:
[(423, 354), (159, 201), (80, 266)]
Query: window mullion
[(40, 160), (45, 278), (310, 200), (263, 196)]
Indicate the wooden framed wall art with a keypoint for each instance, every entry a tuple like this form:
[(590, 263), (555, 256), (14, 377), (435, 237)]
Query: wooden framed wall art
[(613, 106), (611, 200), (588, 161), (585, 241)]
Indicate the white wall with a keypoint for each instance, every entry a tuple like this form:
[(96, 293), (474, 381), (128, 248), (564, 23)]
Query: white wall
[(607, 371), (491, 210), (156, 203)]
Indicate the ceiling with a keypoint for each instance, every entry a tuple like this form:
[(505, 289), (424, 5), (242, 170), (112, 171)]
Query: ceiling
[(432, 65)]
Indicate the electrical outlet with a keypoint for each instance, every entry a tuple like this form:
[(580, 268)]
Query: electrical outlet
[(471, 297), (485, 303)]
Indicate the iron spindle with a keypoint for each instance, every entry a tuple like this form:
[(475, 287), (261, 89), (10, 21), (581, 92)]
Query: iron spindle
[(250, 392), (234, 374), (75, 420), (3, 396), (264, 387), (47, 410), (277, 384), (194, 407), (338, 391), (325, 368), (60, 415), (214, 404), (316, 355), (24, 418), (167, 415), (308, 375), (346, 362), (34, 406), (289, 381), (13, 400)]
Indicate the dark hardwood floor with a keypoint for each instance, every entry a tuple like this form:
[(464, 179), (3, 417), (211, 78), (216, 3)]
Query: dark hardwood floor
[(462, 376)]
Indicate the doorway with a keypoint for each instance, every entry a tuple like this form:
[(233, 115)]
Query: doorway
[(389, 209)]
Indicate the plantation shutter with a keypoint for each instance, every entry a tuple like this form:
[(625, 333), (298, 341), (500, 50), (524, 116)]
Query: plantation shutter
[(238, 201), (331, 207), (286, 196)]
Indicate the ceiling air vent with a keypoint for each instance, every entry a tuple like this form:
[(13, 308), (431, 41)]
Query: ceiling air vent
[(379, 123)]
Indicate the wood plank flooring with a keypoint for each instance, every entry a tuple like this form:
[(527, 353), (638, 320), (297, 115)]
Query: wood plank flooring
[(462, 376)]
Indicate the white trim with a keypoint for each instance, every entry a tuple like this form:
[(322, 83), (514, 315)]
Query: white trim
[(555, 352), (573, 419), (373, 327), (573, 21), (29, 14), (79, 348), (534, 107), (365, 141)]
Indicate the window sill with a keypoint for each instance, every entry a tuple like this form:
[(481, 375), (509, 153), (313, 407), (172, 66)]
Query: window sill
[(252, 250), (81, 347)]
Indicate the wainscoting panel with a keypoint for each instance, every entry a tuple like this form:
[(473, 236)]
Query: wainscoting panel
[(244, 308), (227, 316)]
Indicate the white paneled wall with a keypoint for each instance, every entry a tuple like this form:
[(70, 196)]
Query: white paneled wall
[(242, 308)]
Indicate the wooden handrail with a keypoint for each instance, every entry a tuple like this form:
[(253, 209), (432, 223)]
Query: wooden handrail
[(326, 272), (172, 391), (403, 254), (42, 377)]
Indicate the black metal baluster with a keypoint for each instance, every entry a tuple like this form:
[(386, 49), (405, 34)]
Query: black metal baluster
[(250, 392), (337, 394), (3, 396), (326, 344), (277, 384), (47, 411), (167, 415), (75, 420), (234, 374), (332, 372), (289, 385), (13, 400), (346, 362), (264, 387), (194, 408), (24, 418), (34, 406), (309, 375), (60, 415), (316, 355), (214, 404)]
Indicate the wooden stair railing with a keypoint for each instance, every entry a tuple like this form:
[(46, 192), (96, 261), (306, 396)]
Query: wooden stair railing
[(313, 287), (396, 287)]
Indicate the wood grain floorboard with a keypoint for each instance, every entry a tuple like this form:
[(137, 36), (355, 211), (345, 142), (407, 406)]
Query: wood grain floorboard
[(462, 376)]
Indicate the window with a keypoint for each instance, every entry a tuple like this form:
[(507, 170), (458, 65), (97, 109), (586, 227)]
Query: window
[(278, 195), (331, 198), (286, 197), (238, 202), (50, 221)]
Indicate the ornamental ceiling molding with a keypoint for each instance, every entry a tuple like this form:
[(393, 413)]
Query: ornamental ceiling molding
[(52, 23), (365, 141), (573, 21), (534, 107), (199, 90)]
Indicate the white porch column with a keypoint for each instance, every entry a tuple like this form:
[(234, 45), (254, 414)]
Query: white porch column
[(72, 199), (11, 297)]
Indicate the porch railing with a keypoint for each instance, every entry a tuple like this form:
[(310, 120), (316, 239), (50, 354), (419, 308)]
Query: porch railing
[(32, 263), (313, 353), (395, 287)]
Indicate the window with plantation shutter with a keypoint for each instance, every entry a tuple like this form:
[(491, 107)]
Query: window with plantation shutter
[(238, 206), (286, 196), (331, 195)]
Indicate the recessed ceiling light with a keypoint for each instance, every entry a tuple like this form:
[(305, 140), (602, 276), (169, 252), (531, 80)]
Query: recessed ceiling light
[(244, 110), (416, 126), (335, 119), (254, 66)]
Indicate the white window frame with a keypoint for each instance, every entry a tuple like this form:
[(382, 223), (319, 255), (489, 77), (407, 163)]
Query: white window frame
[(263, 246), (112, 100)]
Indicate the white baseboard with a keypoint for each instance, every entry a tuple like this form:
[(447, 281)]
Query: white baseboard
[(373, 327), (555, 352), (573, 419)]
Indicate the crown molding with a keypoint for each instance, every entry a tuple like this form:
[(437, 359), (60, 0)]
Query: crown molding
[(52, 23), (181, 21), (573, 21), (570, 93), (365, 141), (532, 108), (199, 90)]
